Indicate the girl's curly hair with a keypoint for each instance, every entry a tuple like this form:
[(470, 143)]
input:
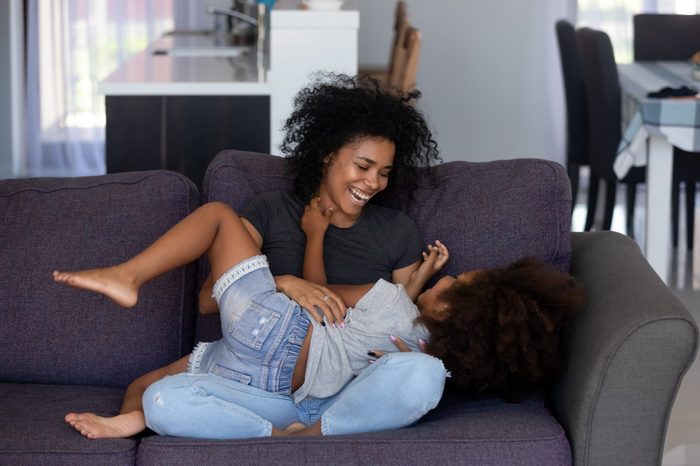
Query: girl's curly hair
[(338, 109), (502, 330)]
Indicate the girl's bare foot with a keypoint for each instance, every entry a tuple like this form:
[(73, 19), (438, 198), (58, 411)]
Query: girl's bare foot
[(93, 426), (299, 429), (106, 281), (291, 429), (294, 427)]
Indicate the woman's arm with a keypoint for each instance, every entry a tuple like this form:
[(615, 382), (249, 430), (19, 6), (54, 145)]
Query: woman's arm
[(351, 294), (207, 304)]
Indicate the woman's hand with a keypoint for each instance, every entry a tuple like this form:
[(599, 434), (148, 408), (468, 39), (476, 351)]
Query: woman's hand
[(318, 300), (314, 221), (400, 344)]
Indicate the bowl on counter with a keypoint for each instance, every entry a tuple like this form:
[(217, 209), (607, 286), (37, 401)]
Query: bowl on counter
[(323, 4)]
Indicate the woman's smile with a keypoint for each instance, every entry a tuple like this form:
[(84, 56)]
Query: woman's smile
[(360, 197)]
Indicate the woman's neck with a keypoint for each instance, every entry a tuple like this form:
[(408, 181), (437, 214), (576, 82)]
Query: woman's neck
[(339, 219)]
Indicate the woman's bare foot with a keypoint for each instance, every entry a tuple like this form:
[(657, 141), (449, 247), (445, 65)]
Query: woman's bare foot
[(106, 281), (93, 426)]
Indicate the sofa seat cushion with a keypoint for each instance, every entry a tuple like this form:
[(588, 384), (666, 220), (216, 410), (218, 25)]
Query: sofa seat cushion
[(32, 429), (54, 334), (484, 431)]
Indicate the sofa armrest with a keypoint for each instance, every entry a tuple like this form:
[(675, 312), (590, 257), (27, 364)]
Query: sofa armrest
[(626, 354)]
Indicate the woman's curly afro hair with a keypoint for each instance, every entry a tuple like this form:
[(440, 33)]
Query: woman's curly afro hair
[(502, 329), (338, 109)]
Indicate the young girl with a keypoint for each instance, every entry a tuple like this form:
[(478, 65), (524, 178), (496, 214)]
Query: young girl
[(495, 330)]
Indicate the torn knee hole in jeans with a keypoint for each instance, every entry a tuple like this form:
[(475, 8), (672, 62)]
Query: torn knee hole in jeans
[(158, 400)]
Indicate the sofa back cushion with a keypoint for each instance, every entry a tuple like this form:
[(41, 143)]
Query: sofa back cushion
[(488, 214), (51, 333)]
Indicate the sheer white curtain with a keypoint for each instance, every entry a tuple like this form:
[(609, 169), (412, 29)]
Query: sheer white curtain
[(71, 46), (615, 18)]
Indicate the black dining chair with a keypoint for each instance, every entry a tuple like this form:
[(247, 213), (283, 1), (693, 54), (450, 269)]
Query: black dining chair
[(604, 121), (673, 37), (576, 113)]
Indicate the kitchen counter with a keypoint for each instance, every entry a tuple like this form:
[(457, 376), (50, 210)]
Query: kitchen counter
[(151, 72), (155, 72)]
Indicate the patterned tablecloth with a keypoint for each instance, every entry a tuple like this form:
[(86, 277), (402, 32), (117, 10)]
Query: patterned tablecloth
[(676, 119)]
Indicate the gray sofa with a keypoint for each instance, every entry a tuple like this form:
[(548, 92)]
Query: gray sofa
[(63, 350)]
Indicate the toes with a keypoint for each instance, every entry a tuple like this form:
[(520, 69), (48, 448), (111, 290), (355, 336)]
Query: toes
[(60, 276), (294, 427), (83, 431)]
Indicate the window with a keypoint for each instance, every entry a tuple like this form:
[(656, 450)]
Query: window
[(71, 46)]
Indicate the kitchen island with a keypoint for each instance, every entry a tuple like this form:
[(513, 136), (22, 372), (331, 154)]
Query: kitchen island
[(185, 98)]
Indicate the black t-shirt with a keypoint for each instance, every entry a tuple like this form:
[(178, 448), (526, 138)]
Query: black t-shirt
[(381, 240)]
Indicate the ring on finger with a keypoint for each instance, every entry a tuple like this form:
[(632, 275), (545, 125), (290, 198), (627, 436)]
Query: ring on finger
[(326, 298)]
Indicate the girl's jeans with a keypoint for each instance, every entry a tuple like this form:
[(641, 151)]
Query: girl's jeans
[(393, 392)]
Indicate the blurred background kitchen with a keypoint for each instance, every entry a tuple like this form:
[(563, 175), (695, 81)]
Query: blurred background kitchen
[(489, 71)]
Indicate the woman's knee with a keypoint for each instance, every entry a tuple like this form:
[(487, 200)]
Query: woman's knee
[(420, 377), (161, 401)]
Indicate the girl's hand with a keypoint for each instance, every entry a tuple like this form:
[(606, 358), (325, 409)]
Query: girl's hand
[(400, 344), (317, 299), (433, 260), (314, 221)]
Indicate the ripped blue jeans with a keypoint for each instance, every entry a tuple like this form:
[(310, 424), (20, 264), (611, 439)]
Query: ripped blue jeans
[(395, 391)]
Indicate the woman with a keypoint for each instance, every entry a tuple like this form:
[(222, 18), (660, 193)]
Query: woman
[(335, 124), (348, 140)]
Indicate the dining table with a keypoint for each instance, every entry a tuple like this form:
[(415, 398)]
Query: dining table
[(653, 126)]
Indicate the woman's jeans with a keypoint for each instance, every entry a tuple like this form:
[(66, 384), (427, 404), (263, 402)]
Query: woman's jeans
[(394, 392)]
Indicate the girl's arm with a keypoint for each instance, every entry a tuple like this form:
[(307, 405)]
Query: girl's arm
[(433, 261), (403, 275), (314, 269), (314, 224)]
